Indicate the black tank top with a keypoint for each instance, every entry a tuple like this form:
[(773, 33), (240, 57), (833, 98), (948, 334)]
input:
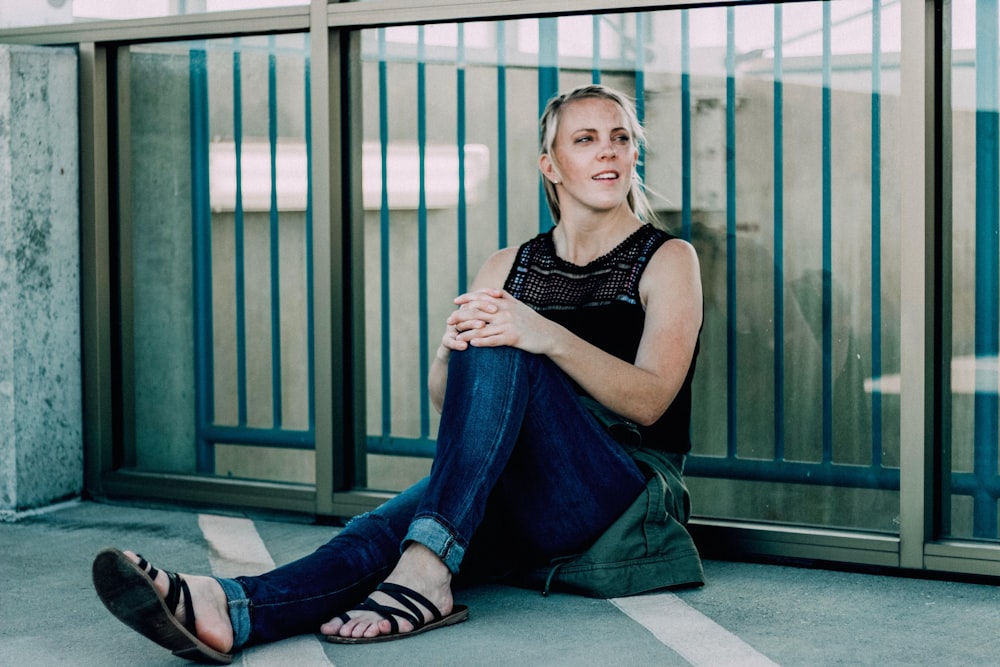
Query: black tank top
[(600, 303)]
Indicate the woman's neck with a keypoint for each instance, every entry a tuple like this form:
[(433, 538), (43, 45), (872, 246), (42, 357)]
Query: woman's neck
[(582, 239)]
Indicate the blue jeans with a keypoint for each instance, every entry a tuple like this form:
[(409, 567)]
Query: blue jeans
[(523, 474)]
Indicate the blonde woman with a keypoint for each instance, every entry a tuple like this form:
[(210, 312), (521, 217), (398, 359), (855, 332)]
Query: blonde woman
[(570, 354)]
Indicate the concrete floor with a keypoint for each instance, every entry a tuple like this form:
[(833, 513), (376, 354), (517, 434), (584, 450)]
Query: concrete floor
[(747, 614)]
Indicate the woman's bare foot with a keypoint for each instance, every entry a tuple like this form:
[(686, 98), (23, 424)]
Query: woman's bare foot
[(211, 608), (420, 569)]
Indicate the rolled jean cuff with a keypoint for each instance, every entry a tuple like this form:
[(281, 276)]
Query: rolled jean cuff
[(435, 536), (239, 610)]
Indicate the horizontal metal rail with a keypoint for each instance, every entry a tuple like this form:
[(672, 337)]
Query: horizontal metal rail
[(259, 437), (170, 28)]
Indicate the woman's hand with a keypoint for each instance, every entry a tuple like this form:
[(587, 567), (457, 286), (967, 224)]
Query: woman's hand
[(470, 316), (494, 318)]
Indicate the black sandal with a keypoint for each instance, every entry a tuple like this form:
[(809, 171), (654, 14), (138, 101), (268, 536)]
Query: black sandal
[(408, 598), (127, 590)]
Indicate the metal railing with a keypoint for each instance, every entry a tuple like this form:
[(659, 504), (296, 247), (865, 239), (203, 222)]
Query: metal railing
[(209, 430), (981, 484)]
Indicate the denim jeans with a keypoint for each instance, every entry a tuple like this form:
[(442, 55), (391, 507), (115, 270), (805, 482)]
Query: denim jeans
[(523, 474)]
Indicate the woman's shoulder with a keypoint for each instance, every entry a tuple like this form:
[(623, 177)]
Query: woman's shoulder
[(674, 263), (674, 252), (658, 246)]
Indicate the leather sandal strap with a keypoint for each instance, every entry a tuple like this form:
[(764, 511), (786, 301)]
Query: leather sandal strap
[(176, 586), (389, 614), (147, 567), (406, 602), (188, 605), (404, 595), (173, 596)]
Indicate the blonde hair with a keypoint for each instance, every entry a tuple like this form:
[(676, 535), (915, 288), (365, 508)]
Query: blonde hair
[(548, 126)]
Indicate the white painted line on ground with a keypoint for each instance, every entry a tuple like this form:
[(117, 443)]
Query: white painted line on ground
[(235, 548), (692, 635), (301, 651)]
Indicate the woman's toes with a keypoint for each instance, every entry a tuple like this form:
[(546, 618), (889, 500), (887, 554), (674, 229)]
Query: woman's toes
[(331, 627)]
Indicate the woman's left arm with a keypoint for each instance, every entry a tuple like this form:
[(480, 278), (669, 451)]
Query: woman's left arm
[(671, 293)]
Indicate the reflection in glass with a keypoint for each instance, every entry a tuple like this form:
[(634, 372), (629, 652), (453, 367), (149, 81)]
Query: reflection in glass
[(975, 412), (219, 304), (772, 148), (29, 13)]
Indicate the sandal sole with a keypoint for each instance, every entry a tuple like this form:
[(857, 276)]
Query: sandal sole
[(459, 613), (130, 595)]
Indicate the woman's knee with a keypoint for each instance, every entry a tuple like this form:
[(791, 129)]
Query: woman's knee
[(492, 362), (481, 355)]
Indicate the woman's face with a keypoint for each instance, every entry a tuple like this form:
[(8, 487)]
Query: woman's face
[(592, 156)]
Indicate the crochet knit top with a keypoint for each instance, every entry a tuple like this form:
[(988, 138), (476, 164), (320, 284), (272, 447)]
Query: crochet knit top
[(600, 303)]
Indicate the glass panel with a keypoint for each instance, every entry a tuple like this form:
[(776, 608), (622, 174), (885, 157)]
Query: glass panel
[(799, 246), (772, 150), (219, 234), (29, 13), (974, 484)]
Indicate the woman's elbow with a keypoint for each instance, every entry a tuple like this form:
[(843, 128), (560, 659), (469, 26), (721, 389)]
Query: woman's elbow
[(649, 416), (649, 412)]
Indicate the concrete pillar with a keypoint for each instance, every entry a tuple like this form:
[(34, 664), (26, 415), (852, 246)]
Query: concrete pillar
[(41, 449)]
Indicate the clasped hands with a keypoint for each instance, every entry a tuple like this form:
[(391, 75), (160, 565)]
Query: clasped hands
[(494, 318)]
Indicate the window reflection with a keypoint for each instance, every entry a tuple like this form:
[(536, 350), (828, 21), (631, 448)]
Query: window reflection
[(772, 148)]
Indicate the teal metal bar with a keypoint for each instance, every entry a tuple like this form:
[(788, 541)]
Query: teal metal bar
[(731, 282), (239, 242), (686, 158), (779, 241), (384, 229), (463, 251), (827, 245), (261, 437), (987, 343), (789, 472), (275, 233), (390, 445), (548, 87), (201, 241), (501, 135), (794, 472), (310, 309), (425, 409), (876, 256), (640, 82)]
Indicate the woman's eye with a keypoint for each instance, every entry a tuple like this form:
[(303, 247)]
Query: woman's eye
[(622, 139), (581, 140)]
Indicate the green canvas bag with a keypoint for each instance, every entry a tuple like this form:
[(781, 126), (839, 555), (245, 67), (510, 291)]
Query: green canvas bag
[(647, 548)]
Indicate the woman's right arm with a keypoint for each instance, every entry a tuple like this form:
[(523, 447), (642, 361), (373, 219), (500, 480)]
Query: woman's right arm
[(491, 276)]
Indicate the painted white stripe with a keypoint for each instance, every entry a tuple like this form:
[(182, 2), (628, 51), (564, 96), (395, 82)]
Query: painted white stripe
[(301, 651), (236, 549), (695, 637)]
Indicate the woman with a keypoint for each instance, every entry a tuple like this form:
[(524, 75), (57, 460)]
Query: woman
[(569, 354)]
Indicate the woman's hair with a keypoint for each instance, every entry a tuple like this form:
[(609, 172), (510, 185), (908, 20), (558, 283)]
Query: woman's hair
[(549, 126)]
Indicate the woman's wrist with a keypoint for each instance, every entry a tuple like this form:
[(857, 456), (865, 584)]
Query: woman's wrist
[(442, 353)]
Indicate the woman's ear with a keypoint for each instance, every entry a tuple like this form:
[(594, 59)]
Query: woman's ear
[(548, 168)]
